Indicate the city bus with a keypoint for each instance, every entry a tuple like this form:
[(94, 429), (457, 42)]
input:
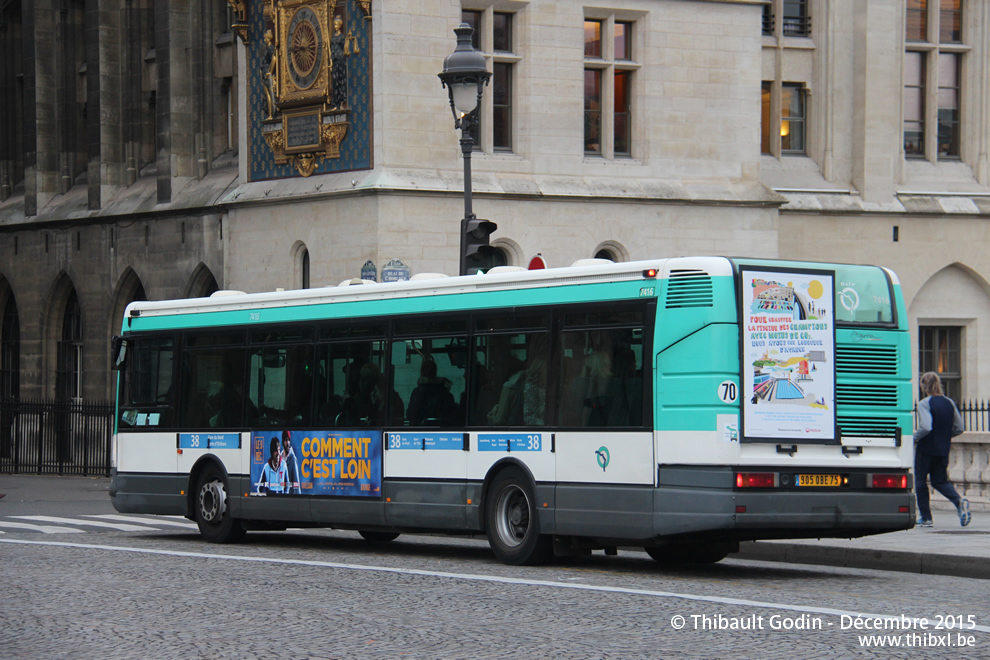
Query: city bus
[(681, 405)]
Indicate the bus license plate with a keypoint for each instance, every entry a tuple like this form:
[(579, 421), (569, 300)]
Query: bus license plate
[(829, 480)]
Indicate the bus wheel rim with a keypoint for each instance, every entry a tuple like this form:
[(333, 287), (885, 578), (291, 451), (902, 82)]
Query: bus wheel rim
[(512, 516), (213, 501)]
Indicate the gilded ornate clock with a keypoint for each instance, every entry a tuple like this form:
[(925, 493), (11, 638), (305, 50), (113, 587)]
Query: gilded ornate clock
[(304, 48), (302, 126), (303, 51)]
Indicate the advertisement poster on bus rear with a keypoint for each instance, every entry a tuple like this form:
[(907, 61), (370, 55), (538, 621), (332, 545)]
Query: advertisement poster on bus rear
[(339, 462), (788, 355)]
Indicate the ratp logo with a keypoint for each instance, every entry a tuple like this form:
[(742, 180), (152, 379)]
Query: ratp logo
[(602, 456)]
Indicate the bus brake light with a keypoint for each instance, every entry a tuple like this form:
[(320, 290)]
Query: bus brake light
[(755, 480), (650, 272), (890, 481)]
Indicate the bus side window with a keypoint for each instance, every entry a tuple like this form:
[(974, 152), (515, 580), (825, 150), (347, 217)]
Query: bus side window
[(607, 389), (213, 386), (352, 387), (431, 381), (281, 385)]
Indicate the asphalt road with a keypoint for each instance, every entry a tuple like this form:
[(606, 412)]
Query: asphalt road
[(140, 586)]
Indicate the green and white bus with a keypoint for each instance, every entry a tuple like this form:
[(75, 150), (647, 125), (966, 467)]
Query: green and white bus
[(681, 405)]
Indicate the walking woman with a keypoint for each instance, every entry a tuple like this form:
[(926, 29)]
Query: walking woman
[(938, 422)]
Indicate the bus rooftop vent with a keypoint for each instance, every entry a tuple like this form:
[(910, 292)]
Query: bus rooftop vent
[(355, 281), (495, 270), (428, 276), (592, 262), (226, 292), (689, 288)]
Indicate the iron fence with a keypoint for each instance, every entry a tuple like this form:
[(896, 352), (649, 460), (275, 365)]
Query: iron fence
[(55, 437), (976, 415)]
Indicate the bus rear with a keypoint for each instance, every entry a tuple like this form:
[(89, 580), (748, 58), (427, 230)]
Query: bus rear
[(783, 402)]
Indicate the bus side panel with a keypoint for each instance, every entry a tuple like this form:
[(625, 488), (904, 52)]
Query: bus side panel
[(347, 511), (426, 505), (140, 492), (694, 379), (147, 452), (146, 478), (618, 512), (597, 478)]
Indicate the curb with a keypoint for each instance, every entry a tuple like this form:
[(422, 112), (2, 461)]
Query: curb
[(884, 560)]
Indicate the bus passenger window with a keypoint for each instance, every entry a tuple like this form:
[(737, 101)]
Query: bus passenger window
[(213, 388), (602, 378), (509, 380), (280, 386), (352, 388), (431, 380)]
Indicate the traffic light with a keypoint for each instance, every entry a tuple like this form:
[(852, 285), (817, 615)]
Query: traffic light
[(476, 253)]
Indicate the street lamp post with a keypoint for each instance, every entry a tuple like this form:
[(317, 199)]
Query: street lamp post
[(465, 75)]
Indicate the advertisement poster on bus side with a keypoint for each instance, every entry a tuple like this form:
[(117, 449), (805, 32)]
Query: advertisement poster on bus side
[(345, 463), (788, 355)]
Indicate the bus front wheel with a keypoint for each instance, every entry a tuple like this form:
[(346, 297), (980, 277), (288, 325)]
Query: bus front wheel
[(216, 525), (511, 521)]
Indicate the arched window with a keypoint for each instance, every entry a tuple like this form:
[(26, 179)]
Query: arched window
[(304, 268), (605, 254), (68, 383), (10, 352)]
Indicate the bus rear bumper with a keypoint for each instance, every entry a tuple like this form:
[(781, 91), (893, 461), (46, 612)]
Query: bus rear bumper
[(162, 494), (741, 516)]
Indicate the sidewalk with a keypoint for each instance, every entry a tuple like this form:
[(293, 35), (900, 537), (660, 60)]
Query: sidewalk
[(945, 549)]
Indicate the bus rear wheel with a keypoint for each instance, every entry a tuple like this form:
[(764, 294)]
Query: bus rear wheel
[(690, 553), (511, 521), (216, 525)]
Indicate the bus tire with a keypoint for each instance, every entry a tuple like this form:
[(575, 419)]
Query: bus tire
[(216, 525), (511, 521), (690, 553), (378, 537)]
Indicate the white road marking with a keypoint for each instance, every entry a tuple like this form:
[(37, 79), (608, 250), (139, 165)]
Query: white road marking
[(92, 523), (45, 529), (145, 521), (807, 609)]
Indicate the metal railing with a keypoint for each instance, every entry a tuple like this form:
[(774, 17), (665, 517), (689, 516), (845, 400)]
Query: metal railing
[(976, 415), (55, 437)]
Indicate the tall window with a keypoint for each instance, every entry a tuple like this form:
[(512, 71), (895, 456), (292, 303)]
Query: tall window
[(493, 36), (608, 81), (932, 80), (68, 384), (940, 350), (10, 352), (783, 123), (792, 119)]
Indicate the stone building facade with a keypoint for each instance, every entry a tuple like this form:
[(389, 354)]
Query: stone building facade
[(168, 148)]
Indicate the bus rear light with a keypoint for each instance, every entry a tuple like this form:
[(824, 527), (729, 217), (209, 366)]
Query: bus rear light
[(890, 481), (755, 480), (740, 508), (650, 272), (903, 509)]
